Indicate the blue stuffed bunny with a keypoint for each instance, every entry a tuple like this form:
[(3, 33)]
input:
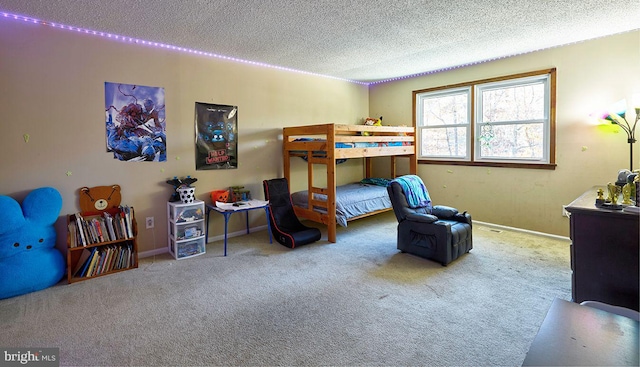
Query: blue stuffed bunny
[(29, 260)]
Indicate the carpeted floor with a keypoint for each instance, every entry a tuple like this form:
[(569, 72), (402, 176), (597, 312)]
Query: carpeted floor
[(351, 303)]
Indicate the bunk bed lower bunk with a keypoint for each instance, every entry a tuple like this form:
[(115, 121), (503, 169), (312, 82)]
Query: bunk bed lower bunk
[(353, 201), (326, 144)]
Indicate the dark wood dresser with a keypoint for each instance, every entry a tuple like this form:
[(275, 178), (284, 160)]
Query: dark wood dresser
[(604, 253)]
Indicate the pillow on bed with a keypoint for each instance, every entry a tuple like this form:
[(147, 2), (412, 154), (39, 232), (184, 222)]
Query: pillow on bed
[(376, 181)]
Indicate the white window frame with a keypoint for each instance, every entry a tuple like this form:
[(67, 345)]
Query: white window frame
[(422, 129), (547, 161), (519, 82)]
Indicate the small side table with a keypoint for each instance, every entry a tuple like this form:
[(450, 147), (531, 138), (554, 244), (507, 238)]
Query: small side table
[(245, 207)]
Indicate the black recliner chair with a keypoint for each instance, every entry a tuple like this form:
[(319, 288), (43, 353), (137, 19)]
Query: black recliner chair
[(438, 233), (285, 225)]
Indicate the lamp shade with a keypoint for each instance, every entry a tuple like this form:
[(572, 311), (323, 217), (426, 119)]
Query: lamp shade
[(635, 101), (618, 110)]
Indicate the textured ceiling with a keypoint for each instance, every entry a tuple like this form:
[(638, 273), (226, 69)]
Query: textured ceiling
[(361, 40)]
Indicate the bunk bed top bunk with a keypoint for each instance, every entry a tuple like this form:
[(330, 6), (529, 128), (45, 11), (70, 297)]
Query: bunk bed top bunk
[(328, 144), (351, 141)]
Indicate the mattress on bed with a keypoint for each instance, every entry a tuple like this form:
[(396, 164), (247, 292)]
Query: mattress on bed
[(364, 144), (323, 154), (352, 200)]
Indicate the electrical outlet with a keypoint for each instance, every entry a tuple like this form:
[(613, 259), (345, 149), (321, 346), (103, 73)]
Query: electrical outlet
[(149, 222), (565, 213)]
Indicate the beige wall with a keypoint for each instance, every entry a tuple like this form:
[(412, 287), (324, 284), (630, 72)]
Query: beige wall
[(590, 76), (52, 84)]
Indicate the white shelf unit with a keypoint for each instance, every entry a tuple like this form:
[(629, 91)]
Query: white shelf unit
[(186, 231)]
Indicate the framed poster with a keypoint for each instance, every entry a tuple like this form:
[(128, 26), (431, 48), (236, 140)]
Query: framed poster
[(135, 122), (216, 136)]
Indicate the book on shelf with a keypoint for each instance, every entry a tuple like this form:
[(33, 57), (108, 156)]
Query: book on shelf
[(82, 262), (80, 229), (99, 260), (96, 228), (107, 260), (73, 241), (119, 257), (128, 215), (108, 218), (85, 266), (92, 263), (92, 229), (104, 256)]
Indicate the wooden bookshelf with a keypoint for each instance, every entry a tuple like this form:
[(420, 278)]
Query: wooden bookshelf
[(114, 251)]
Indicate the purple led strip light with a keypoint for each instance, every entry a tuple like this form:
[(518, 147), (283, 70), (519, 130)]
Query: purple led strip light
[(165, 46), (255, 63), (482, 61)]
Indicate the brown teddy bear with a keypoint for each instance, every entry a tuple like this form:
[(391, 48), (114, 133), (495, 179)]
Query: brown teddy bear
[(99, 198)]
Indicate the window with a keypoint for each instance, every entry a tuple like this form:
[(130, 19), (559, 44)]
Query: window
[(507, 121), (445, 123)]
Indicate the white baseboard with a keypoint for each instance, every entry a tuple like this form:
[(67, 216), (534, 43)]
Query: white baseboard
[(153, 252), (515, 229), (243, 232), (237, 233), (164, 249)]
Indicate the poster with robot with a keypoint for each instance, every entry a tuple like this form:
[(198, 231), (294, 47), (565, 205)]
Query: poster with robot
[(216, 136), (135, 122)]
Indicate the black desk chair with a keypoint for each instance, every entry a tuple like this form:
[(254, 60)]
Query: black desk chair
[(285, 225)]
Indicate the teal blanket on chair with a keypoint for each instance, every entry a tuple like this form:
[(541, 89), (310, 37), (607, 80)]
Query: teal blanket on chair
[(415, 191)]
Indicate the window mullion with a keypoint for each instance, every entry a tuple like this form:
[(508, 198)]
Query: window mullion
[(472, 124)]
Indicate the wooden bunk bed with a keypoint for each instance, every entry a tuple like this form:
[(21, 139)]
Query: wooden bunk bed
[(325, 144)]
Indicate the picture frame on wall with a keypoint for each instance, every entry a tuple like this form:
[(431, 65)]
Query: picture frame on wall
[(216, 128)]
